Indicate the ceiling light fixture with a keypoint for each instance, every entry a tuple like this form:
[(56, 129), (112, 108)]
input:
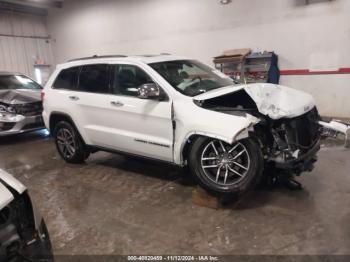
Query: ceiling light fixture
[(225, 2)]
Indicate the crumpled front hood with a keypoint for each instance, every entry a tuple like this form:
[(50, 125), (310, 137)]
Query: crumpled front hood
[(19, 96), (6, 180), (275, 101)]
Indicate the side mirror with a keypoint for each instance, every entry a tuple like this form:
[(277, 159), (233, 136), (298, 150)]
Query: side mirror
[(146, 91)]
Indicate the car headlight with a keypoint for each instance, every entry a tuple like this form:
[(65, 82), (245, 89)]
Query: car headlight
[(8, 117)]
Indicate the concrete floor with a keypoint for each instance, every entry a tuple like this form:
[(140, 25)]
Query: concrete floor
[(117, 205)]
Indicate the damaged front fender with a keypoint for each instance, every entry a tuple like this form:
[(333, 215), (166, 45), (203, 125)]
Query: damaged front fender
[(228, 126)]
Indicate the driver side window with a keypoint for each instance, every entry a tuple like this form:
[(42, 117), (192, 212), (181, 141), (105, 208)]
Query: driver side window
[(127, 80)]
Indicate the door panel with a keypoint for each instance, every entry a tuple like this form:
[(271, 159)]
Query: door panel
[(91, 111), (136, 126), (89, 98), (121, 121)]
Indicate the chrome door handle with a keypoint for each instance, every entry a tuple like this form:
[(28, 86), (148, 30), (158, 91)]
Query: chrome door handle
[(118, 104), (74, 98)]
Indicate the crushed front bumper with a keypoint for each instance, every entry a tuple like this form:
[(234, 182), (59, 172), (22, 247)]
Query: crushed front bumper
[(336, 127), (28, 124), (304, 162)]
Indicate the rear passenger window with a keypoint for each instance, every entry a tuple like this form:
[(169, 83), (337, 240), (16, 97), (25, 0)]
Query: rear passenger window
[(94, 79), (66, 79)]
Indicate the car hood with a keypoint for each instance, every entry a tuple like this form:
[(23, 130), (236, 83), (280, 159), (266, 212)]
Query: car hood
[(274, 101), (19, 96), (8, 181)]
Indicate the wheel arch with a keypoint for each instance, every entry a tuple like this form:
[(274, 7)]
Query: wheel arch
[(82, 150), (56, 117), (186, 146), (191, 137)]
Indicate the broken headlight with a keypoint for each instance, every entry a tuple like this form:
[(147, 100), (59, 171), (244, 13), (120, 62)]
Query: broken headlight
[(8, 114), (9, 117)]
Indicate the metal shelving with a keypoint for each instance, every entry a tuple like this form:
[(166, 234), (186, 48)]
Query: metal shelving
[(252, 68)]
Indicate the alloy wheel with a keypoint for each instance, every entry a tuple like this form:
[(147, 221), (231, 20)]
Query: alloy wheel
[(225, 164), (66, 142)]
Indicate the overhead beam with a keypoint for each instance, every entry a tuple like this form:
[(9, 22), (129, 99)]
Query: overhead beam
[(19, 8), (26, 36), (43, 3), (35, 7)]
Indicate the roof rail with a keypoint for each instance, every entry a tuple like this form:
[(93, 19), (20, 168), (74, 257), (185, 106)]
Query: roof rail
[(150, 55), (96, 57)]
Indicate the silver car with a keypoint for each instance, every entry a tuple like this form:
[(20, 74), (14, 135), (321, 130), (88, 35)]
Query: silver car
[(20, 104)]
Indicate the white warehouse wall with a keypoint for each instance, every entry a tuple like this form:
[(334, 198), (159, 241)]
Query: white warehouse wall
[(22, 41), (315, 36)]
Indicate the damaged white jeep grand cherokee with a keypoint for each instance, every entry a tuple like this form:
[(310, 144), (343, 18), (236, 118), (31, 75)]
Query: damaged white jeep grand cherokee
[(184, 112)]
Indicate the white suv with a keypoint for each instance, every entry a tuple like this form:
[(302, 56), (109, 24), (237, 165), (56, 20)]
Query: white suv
[(183, 112)]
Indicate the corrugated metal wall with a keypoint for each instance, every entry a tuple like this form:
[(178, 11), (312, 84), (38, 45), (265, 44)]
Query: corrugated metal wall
[(23, 39)]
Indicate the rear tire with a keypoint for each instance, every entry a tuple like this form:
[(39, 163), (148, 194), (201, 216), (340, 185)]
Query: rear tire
[(69, 144), (222, 168)]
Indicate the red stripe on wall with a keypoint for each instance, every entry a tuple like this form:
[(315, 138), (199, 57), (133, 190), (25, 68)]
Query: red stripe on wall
[(308, 72)]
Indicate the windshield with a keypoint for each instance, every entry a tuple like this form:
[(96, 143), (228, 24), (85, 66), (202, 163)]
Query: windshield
[(17, 82), (191, 77)]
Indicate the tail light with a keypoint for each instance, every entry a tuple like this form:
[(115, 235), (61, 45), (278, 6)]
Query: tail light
[(42, 94)]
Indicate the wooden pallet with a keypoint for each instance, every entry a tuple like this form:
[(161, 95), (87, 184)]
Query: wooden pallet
[(200, 197)]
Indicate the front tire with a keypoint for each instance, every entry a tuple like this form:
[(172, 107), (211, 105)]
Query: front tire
[(226, 169), (69, 144)]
